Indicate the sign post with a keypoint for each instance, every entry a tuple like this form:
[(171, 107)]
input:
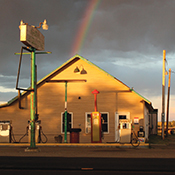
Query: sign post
[(33, 100), (33, 38)]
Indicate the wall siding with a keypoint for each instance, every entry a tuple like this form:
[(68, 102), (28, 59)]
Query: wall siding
[(114, 97)]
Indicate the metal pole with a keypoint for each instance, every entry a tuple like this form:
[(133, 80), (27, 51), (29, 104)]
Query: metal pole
[(65, 114), (168, 99), (163, 93), (32, 100), (95, 96)]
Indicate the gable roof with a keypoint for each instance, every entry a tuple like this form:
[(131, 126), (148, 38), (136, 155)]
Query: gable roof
[(61, 68)]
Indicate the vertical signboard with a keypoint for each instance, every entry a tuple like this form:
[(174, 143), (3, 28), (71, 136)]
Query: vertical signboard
[(95, 127)]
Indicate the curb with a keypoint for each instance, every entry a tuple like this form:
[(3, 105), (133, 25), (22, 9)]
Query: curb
[(142, 145)]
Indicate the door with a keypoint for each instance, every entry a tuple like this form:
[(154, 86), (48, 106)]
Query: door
[(119, 116)]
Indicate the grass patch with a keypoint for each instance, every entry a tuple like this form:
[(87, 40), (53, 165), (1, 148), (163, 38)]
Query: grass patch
[(157, 139)]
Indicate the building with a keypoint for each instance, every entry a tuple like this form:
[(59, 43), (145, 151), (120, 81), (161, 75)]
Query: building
[(116, 102)]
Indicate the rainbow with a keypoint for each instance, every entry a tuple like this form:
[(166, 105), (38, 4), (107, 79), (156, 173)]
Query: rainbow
[(84, 26)]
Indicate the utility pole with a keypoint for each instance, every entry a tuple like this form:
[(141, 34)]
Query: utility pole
[(168, 99), (163, 93)]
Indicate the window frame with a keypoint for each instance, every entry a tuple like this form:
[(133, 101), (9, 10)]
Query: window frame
[(62, 121)]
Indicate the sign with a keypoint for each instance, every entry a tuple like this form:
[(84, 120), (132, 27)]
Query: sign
[(142, 140), (136, 120), (31, 36)]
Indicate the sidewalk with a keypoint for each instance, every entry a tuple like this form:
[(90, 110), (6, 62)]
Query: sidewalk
[(101, 150)]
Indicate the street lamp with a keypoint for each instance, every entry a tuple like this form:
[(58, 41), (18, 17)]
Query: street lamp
[(77, 70), (44, 25)]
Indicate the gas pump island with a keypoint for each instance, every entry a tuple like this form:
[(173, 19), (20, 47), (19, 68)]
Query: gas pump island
[(95, 122), (34, 40)]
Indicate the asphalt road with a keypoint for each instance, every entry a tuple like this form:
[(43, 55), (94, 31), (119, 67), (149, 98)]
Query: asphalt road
[(87, 160), (66, 165), (64, 172), (96, 164)]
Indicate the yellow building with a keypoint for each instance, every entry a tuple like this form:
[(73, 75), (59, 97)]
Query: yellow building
[(116, 101)]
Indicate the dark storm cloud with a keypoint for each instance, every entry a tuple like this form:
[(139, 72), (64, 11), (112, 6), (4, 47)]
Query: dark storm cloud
[(62, 16), (126, 38), (146, 27)]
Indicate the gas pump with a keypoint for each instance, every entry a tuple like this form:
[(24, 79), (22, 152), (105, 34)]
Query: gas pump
[(141, 134), (37, 131), (125, 130), (96, 127), (5, 131), (95, 122)]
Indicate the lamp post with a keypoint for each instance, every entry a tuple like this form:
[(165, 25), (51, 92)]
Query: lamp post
[(32, 37)]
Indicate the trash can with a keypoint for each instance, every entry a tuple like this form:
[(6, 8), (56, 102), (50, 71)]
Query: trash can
[(74, 135), (58, 139)]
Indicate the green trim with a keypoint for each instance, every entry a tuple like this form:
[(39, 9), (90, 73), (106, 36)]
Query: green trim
[(132, 90)]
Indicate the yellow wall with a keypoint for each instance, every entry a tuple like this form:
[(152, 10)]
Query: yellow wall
[(114, 97)]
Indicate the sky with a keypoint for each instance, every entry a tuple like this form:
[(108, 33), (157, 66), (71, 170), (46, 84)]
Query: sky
[(126, 38)]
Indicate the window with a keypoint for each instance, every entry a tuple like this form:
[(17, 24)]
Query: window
[(69, 122), (104, 122), (88, 122)]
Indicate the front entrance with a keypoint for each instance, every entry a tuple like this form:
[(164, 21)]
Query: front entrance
[(118, 117)]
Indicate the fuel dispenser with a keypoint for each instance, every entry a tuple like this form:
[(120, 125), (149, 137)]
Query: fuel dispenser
[(125, 130), (5, 131), (141, 134), (95, 122), (37, 131), (95, 127)]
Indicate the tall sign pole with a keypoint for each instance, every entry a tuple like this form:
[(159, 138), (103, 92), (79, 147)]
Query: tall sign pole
[(163, 93), (33, 38), (33, 99)]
